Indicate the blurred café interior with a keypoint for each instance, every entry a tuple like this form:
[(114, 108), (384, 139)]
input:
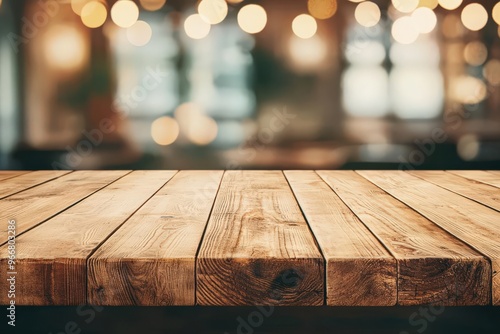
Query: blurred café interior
[(269, 84)]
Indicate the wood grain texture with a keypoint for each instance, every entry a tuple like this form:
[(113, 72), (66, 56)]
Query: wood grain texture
[(25, 181), (359, 270), (477, 191), (150, 260), (32, 207), (471, 222), (258, 249), (7, 174), (488, 177), (51, 258), (434, 267)]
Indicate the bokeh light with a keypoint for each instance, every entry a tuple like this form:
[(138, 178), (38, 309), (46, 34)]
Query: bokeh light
[(139, 34), (198, 128), (164, 130), (468, 147), (152, 5), (428, 3), (468, 90), (474, 17), (367, 14), (65, 47), (77, 5), (424, 19), (452, 27), (405, 6), (195, 27), (252, 18), (475, 53), (404, 30), (491, 72), (495, 13), (307, 54), (322, 9), (94, 14), (213, 11), (304, 26), (450, 4), (124, 13)]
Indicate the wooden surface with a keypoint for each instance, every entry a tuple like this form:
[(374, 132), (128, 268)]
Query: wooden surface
[(257, 247), (340, 238)]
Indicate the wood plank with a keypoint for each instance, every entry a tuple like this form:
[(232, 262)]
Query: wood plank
[(434, 267), (258, 249), (471, 222), (7, 174), (28, 180), (489, 177), (53, 272), (474, 190), (150, 260), (32, 207), (359, 270)]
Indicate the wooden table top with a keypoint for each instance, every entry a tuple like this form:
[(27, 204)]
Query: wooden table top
[(341, 238)]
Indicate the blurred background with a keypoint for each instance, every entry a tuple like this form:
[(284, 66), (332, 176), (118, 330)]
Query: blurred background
[(296, 84)]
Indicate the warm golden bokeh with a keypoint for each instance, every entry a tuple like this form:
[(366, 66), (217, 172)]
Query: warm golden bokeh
[(496, 13), (125, 13), (405, 6), (367, 14), (139, 34), (252, 18), (474, 16), (322, 9), (164, 130), (404, 30), (428, 3), (152, 5), (213, 11), (195, 27), (475, 53), (450, 4), (424, 19), (304, 26), (94, 14)]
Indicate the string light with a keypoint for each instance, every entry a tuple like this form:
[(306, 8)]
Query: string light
[(252, 18)]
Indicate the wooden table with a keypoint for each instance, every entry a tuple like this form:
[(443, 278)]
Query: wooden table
[(343, 238)]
